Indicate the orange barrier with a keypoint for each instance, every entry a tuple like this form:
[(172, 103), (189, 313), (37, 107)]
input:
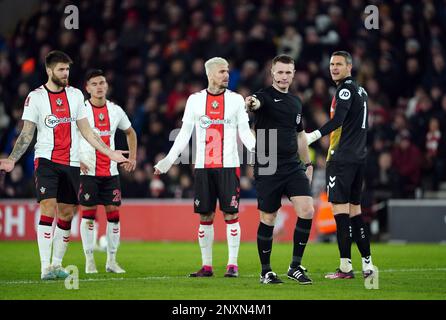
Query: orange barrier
[(323, 219), (149, 220)]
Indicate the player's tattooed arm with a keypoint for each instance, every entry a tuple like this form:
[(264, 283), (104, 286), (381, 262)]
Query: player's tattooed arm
[(95, 140), (23, 141)]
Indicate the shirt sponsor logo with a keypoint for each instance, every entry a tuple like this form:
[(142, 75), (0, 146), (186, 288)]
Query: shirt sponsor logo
[(51, 121), (206, 122), (344, 94)]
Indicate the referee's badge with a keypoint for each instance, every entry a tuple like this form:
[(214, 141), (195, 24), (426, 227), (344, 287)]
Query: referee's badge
[(298, 118)]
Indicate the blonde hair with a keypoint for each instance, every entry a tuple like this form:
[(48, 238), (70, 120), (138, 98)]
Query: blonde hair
[(208, 65)]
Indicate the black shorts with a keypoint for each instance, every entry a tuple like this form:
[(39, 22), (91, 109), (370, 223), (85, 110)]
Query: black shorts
[(344, 182), (270, 189), (100, 191), (221, 183), (54, 180)]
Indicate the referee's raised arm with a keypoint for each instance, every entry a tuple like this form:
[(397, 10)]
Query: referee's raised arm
[(252, 103)]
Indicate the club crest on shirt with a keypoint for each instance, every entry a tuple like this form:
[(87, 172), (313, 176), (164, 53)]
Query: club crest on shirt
[(298, 118), (59, 101), (214, 104), (101, 117), (86, 196)]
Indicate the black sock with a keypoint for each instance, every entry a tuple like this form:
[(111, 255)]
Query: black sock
[(360, 235), (343, 234), (301, 235), (265, 245)]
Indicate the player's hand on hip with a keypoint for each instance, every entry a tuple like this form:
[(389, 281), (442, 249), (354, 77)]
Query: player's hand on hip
[(130, 165), (84, 168), (7, 165), (313, 136), (163, 166), (252, 103), (118, 156)]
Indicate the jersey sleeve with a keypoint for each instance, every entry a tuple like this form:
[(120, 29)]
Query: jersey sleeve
[(300, 126), (245, 134), (299, 118), (344, 98), (124, 122), (242, 115), (188, 116), (82, 108), (260, 95), (30, 110)]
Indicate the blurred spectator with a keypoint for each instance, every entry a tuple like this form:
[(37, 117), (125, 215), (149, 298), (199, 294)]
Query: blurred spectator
[(407, 160), (434, 163), (383, 182)]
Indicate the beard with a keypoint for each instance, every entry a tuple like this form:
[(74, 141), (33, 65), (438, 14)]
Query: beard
[(59, 82)]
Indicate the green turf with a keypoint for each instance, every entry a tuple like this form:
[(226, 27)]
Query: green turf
[(159, 271)]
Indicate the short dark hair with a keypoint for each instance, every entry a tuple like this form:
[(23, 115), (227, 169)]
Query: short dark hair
[(283, 58), (56, 56), (93, 73), (345, 54)]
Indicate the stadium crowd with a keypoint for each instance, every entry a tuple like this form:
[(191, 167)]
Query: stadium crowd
[(153, 54)]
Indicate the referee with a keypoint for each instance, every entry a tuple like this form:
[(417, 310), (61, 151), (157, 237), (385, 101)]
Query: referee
[(278, 118), (346, 164)]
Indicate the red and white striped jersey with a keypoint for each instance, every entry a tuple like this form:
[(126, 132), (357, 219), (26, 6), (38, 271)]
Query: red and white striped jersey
[(216, 119), (104, 120), (55, 115)]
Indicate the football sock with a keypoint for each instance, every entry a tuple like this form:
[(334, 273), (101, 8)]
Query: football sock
[(60, 241), (362, 239), (343, 233), (44, 240), (233, 236), (301, 235), (113, 235), (87, 232), (206, 240), (264, 245)]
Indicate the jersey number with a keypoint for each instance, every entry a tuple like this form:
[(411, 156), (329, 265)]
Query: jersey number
[(365, 115)]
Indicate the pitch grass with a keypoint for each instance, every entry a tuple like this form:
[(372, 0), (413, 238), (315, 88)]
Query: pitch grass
[(159, 271)]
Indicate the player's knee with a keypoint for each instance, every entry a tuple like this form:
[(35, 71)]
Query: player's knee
[(48, 207), (207, 217), (66, 213), (307, 212), (268, 219), (110, 208), (231, 216)]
